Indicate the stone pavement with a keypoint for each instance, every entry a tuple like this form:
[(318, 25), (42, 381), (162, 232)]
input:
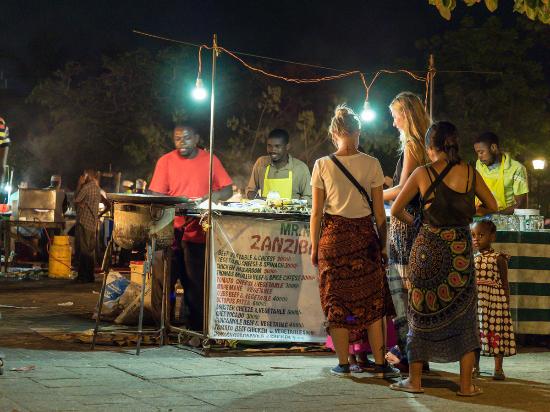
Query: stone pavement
[(68, 376), (175, 379)]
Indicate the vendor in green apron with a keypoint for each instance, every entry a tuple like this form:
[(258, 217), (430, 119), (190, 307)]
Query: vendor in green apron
[(506, 177), (279, 175)]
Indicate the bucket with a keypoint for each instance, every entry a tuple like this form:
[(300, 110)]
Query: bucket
[(136, 272), (59, 265), (136, 223)]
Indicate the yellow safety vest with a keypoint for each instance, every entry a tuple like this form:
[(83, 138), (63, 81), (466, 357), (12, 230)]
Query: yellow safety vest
[(496, 186), (282, 186)]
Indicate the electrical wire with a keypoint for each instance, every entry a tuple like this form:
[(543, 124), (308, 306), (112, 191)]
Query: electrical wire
[(257, 56), (234, 55), (427, 79)]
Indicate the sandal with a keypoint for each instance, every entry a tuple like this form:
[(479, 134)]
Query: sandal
[(401, 386), (477, 391), (499, 375)]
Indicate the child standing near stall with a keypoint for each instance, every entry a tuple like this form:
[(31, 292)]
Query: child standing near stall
[(359, 347), (493, 299)]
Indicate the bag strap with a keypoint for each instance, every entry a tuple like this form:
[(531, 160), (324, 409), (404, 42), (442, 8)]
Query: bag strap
[(439, 178), (352, 179)]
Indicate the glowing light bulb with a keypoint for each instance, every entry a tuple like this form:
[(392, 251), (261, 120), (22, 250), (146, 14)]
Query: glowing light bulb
[(368, 115), (199, 92), (539, 164)]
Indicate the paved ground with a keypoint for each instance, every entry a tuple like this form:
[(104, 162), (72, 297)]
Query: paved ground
[(67, 376)]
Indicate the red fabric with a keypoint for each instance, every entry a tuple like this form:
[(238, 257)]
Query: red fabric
[(177, 176)]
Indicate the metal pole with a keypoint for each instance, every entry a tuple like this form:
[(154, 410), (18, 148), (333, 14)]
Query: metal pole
[(146, 271), (209, 217), (105, 265), (431, 74)]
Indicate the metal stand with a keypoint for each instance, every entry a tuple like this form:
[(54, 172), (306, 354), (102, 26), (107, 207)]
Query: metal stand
[(182, 331), (147, 269)]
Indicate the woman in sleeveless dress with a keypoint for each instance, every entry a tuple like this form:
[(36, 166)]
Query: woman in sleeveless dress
[(412, 121), (442, 309)]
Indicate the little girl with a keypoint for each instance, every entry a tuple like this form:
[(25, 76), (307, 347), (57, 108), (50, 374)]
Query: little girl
[(493, 299), (359, 348), (357, 356)]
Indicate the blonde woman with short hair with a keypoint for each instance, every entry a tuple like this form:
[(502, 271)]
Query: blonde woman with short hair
[(345, 245)]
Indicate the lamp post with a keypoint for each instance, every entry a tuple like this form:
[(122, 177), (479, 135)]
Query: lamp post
[(538, 167)]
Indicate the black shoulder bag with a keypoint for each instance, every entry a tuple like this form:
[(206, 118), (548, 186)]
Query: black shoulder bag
[(361, 189)]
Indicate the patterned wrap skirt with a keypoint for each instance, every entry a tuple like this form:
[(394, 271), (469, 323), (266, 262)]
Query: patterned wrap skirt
[(352, 281), (401, 239), (442, 309)]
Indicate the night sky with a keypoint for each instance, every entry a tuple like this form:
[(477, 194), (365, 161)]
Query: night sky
[(348, 34)]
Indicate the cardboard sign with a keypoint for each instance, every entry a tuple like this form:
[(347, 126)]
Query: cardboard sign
[(264, 287)]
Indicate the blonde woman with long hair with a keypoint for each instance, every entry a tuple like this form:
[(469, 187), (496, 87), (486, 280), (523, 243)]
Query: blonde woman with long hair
[(347, 194), (412, 121)]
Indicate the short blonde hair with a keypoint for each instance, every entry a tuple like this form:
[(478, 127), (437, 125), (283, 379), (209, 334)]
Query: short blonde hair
[(344, 121), (417, 122)]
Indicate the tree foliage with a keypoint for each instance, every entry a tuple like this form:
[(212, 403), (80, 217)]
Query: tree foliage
[(533, 9), (115, 114), (512, 100), (120, 112)]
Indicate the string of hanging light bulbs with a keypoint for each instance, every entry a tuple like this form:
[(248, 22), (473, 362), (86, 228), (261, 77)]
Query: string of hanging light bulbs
[(199, 92), (367, 114)]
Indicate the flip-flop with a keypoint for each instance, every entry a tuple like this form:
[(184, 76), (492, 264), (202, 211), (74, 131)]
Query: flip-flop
[(477, 391), (399, 386)]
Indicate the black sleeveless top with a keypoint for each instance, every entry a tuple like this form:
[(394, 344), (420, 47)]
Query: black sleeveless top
[(414, 204), (449, 207)]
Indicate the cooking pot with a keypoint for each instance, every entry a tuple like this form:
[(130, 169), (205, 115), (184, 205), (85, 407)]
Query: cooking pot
[(135, 224)]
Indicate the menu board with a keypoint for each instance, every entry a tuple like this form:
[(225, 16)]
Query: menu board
[(263, 286)]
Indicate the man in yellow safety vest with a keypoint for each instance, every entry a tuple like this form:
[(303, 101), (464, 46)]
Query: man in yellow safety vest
[(279, 175), (506, 177)]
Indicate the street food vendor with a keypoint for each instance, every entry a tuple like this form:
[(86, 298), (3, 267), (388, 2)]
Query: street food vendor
[(87, 197), (279, 171), (185, 172), (506, 177)]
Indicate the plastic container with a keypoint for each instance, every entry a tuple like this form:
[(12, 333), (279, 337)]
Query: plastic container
[(526, 212), (59, 265), (136, 272)]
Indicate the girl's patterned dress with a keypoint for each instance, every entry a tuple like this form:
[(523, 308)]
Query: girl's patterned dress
[(493, 309)]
